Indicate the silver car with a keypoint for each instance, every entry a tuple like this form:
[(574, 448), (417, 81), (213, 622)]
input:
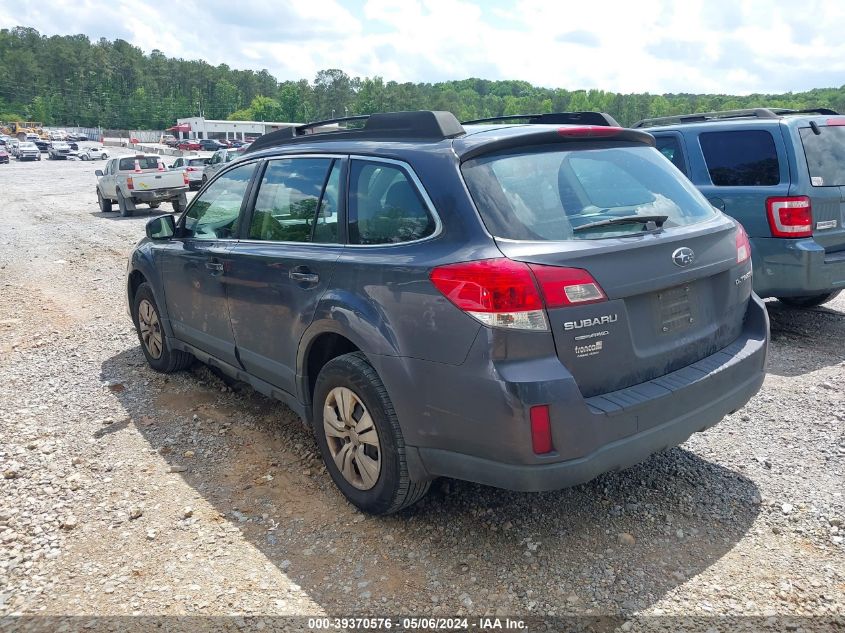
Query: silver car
[(219, 160), (193, 167), (28, 151)]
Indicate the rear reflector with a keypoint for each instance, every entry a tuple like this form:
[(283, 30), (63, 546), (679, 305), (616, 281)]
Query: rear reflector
[(743, 246), (589, 131), (130, 184), (541, 430), (790, 216)]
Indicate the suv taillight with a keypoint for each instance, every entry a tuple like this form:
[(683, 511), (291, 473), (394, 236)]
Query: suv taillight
[(790, 216), (743, 246), (509, 294)]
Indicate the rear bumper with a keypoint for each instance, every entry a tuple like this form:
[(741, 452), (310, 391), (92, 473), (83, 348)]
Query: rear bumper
[(591, 436), (794, 268), (152, 195)]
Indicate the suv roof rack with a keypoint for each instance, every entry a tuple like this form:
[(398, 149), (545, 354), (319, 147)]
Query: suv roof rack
[(747, 113), (554, 118), (421, 124)]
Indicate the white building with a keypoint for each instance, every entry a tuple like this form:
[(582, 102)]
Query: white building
[(200, 127)]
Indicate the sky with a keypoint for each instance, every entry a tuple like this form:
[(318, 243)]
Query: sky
[(656, 46)]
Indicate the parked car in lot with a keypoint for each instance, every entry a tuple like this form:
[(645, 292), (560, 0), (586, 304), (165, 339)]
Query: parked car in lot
[(168, 139), (78, 136), (4, 156), (94, 152), (211, 145), (193, 167), (524, 306), (219, 160), (189, 145), (58, 150), (13, 146), (781, 173), (140, 178), (27, 151), (42, 145)]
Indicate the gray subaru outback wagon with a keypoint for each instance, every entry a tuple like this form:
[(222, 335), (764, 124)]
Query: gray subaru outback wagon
[(522, 305)]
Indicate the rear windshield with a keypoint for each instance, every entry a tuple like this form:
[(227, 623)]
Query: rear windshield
[(197, 162), (145, 162), (825, 154), (547, 194)]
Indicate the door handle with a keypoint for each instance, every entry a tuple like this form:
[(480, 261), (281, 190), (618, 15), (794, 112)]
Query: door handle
[(310, 278), (214, 267)]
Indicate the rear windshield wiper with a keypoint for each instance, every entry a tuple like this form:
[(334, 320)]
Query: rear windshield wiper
[(650, 222)]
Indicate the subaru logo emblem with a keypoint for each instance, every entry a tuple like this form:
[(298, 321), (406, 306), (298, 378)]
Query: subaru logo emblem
[(683, 256)]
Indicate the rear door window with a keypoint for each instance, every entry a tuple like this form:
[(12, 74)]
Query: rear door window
[(385, 206), (742, 158), (289, 203), (825, 154)]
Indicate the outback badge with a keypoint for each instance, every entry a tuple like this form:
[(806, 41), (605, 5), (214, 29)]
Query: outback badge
[(683, 256)]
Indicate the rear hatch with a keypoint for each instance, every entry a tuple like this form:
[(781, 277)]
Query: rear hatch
[(824, 149), (664, 285)]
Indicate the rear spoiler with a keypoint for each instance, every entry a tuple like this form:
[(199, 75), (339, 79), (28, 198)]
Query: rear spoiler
[(563, 134)]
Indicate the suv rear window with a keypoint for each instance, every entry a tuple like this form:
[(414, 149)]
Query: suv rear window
[(145, 162), (742, 158), (547, 194), (825, 154)]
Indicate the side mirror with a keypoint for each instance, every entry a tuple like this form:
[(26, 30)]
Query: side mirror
[(99, 173), (161, 228)]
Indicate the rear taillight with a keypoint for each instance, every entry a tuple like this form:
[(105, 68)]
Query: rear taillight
[(541, 429), (185, 178), (743, 246), (790, 216), (563, 287), (509, 294), (129, 183), (190, 169)]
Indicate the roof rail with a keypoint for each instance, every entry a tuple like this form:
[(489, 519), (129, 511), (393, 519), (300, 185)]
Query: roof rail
[(748, 113), (554, 118), (421, 124), (825, 111)]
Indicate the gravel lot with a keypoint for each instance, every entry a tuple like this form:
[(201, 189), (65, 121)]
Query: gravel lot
[(126, 492)]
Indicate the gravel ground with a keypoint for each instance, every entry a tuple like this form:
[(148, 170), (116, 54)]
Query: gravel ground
[(126, 492)]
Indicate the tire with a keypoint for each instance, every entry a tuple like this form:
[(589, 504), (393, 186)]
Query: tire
[(155, 205), (104, 156), (204, 180), (126, 205), (180, 203), (84, 157), (155, 344), (810, 301), (390, 489), (105, 203)]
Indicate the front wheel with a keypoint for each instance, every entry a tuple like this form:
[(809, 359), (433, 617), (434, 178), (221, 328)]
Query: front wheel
[(360, 439), (84, 157), (154, 341), (810, 301), (105, 203)]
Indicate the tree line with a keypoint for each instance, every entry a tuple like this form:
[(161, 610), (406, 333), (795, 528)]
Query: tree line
[(70, 80)]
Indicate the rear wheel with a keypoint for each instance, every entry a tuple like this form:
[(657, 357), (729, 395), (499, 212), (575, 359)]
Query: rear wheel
[(126, 205), (154, 342), (155, 205), (810, 301), (180, 203), (360, 439), (105, 203)]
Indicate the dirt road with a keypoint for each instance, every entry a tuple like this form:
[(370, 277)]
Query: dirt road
[(128, 492)]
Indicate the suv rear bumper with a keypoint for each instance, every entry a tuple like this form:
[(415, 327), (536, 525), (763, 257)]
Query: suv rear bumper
[(591, 436), (795, 268)]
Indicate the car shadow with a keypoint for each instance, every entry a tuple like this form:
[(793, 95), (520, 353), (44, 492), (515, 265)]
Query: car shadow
[(609, 547), (141, 212), (804, 339)]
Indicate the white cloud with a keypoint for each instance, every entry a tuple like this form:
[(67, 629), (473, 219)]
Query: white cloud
[(651, 45)]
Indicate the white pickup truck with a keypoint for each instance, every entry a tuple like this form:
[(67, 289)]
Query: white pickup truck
[(128, 180)]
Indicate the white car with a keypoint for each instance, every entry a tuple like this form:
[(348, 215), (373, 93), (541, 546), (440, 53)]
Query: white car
[(93, 153)]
